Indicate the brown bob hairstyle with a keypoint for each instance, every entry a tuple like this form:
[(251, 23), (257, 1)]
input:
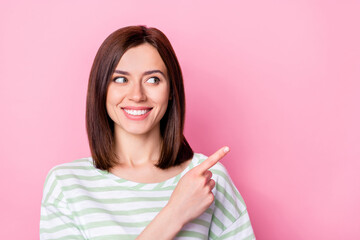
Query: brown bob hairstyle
[(100, 128)]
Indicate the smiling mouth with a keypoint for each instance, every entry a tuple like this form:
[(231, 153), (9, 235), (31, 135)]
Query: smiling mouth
[(138, 112)]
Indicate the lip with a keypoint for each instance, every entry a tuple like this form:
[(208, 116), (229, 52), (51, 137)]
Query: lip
[(138, 117), (137, 108)]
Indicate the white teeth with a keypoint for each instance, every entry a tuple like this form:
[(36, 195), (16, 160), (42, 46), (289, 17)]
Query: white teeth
[(136, 112)]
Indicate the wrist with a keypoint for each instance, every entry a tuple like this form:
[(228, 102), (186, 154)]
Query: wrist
[(164, 226), (175, 218)]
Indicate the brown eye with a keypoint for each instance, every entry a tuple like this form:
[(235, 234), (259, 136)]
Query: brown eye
[(153, 80), (120, 80)]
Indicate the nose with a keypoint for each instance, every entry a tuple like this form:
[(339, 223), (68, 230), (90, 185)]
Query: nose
[(137, 93)]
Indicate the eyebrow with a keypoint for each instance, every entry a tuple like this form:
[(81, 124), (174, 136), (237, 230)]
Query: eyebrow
[(145, 73)]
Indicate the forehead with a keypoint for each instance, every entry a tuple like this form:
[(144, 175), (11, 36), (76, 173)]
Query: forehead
[(141, 58)]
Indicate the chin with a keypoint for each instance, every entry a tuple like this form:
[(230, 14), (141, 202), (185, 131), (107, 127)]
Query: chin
[(136, 130)]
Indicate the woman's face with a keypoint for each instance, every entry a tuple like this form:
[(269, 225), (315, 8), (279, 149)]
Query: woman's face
[(138, 93)]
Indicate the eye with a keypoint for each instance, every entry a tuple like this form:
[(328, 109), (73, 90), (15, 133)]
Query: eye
[(120, 80), (153, 80)]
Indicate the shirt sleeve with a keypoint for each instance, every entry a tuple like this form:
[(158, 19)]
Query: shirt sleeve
[(230, 219), (56, 221)]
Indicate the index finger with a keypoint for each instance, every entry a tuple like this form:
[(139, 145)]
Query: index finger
[(212, 160)]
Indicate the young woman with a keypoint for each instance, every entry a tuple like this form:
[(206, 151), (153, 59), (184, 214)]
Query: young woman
[(143, 180)]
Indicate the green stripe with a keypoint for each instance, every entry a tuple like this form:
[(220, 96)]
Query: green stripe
[(57, 228), (191, 234), (138, 186), (80, 177), (115, 224), (218, 223), (158, 186), (117, 200), (120, 180), (212, 235), (236, 231), (112, 188), (58, 199), (222, 174), (81, 160), (239, 197), (209, 211), (110, 212), (48, 177), (224, 210), (176, 179), (76, 167), (201, 222), (116, 237), (48, 217), (91, 189), (251, 237), (142, 224), (191, 164), (51, 189), (228, 197), (68, 237), (225, 176), (118, 213)]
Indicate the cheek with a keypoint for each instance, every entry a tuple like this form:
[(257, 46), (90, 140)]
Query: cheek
[(163, 107), (110, 110), (160, 99), (114, 97), (159, 96)]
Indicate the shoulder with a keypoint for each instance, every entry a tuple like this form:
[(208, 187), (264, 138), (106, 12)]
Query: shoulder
[(64, 173), (75, 167)]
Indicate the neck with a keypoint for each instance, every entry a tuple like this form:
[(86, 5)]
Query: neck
[(135, 150)]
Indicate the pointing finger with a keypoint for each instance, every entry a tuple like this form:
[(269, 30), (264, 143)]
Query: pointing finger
[(212, 160)]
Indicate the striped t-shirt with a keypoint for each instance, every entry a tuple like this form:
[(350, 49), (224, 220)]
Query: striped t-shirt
[(83, 202)]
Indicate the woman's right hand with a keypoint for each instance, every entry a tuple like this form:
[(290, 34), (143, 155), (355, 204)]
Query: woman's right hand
[(193, 193), (190, 198)]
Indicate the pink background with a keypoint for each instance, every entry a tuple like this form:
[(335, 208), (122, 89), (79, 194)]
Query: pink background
[(277, 81)]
